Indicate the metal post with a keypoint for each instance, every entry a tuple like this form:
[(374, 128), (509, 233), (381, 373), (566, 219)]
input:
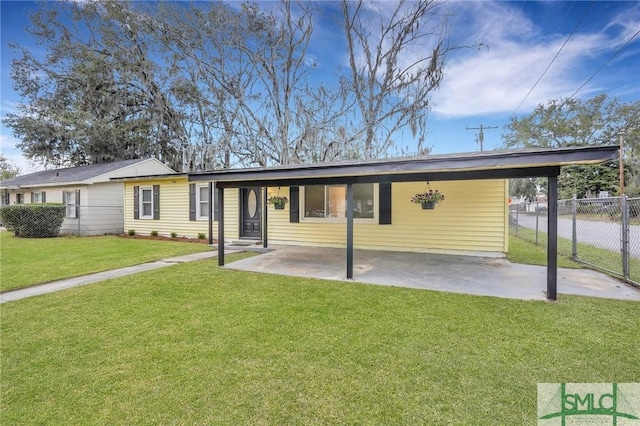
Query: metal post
[(552, 243), (211, 201), (264, 231), (621, 165), (574, 228), (517, 217), (624, 207), (221, 227), (537, 219), (349, 231)]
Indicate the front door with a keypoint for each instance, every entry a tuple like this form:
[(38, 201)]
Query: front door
[(250, 213)]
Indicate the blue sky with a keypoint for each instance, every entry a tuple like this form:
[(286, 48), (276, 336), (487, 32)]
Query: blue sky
[(482, 86)]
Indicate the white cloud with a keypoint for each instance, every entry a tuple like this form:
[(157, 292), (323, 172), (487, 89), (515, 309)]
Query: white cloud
[(497, 77)]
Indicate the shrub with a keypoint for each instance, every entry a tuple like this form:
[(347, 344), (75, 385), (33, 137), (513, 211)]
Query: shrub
[(154, 233), (131, 232), (33, 220), (202, 235), (174, 235)]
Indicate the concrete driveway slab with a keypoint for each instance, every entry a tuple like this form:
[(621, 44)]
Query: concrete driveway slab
[(458, 274)]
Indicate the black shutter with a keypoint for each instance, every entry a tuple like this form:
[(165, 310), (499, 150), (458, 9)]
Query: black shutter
[(77, 204), (384, 200), (44, 197), (192, 201), (156, 202), (136, 202), (294, 206), (216, 209), (33, 197)]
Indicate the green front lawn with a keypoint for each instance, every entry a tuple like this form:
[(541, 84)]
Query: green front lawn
[(195, 344), (29, 261)]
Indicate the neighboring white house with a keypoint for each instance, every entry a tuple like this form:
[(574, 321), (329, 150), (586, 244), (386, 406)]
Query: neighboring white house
[(94, 203)]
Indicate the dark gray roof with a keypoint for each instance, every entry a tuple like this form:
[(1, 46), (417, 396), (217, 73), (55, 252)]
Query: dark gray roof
[(68, 175), (474, 165)]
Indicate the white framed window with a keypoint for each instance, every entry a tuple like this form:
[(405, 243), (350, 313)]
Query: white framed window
[(71, 201), (202, 202), (146, 202), (19, 198), (38, 198), (330, 201)]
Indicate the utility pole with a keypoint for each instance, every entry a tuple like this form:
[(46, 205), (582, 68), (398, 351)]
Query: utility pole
[(481, 134)]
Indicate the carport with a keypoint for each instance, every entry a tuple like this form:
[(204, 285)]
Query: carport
[(468, 166), (480, 276)]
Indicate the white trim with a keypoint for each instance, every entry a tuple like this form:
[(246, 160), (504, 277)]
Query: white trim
[(199, 215), (141, 202), (70, 206)]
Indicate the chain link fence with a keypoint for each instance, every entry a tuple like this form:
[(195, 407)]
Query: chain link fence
[(76, 220), (601, 232)]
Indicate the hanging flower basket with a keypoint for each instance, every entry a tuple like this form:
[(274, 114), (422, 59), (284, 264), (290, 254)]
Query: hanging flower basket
[(428, 200), (278, 201)]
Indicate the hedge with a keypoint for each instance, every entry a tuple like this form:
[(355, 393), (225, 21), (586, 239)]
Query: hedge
[(33, 220)]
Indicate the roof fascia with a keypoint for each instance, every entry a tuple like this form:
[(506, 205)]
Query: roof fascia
[(395, 178)]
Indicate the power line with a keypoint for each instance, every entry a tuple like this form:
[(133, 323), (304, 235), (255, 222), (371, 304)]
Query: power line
[(554, 58), (603, 65)]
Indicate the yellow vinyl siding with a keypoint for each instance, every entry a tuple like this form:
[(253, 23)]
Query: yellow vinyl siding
[(472, 219), (174, 210)]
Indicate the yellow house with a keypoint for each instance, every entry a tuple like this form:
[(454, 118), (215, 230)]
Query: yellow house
[(473, 219), (169, 204), (367, 204), (357, 205)]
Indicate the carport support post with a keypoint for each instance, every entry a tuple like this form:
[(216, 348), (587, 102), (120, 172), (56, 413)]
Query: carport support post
[(349, 231), (211, 201), (220, 201), (265, 205), (552, 242)]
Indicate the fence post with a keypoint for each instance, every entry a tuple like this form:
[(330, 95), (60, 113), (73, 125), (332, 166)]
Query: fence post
[(517, 217), (537, 219), (574, 228), (624, 223)]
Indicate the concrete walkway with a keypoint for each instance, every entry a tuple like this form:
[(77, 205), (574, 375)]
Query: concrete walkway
[(106, 275), (458, 274)]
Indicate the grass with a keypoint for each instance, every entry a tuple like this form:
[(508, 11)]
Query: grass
[(195, 344), (30, 261), (599, 257), (522, 250)]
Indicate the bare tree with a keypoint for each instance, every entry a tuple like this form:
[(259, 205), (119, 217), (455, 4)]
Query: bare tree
[(396, 60), (242, 75)]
